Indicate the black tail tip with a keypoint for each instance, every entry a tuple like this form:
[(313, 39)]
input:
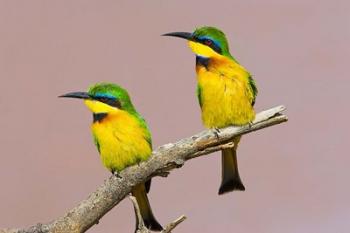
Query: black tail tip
[(231, 186), (153, 225)]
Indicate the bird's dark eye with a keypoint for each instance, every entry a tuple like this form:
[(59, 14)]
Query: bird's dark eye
[(208, 42)]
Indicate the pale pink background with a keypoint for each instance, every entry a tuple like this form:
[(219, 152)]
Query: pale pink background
[(296, 174)]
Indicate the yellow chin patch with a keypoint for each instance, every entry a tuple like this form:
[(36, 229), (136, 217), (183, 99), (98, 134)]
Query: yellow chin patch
[(202, 50), (99, 107)]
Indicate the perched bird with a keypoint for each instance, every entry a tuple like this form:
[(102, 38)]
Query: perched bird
[(226, 93), (121, 136)]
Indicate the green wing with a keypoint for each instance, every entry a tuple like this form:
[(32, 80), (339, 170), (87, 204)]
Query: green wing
[(96, 143), (253, 87), (199, 95), (148, 137), (144, 125)]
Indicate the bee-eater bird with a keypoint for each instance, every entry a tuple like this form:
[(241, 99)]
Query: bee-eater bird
[(226, 93), (121, 136)]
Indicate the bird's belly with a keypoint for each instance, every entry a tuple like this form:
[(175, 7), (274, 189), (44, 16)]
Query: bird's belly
[(224, 101), (120, 146)]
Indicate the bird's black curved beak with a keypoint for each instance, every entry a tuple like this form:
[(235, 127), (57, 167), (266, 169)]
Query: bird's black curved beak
[(183, 35), (78, 95)]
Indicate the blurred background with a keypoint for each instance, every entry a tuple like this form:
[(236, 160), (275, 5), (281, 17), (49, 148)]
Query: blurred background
[(296, 174)]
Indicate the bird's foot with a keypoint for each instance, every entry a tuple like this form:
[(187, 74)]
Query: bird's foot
[(250, 124), (115, 173), (216, 132)]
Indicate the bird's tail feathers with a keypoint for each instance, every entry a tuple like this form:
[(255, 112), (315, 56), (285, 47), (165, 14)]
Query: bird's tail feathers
[(139, 192), (230, 176), (148, 185)]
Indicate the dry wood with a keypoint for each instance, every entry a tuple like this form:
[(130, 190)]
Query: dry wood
[(165, 158)]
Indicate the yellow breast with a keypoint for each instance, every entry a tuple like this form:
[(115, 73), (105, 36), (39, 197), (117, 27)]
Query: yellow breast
[(121, 140), (225, 94)]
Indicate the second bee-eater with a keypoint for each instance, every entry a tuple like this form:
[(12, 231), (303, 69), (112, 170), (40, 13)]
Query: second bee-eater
[(121, 136), (226, 93)]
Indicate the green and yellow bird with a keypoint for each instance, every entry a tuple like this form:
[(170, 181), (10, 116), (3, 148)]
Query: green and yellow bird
[(226, 93), (121, 136)]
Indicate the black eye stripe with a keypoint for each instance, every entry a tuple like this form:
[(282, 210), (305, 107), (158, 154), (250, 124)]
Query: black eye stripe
[(112, 102), (211, 44)]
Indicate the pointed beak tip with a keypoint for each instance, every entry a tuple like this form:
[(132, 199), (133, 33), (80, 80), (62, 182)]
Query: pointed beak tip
[(166, 34), (183, 35), (62, 96), (77, 95)]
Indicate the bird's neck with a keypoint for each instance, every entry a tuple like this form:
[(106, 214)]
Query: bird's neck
[(223, 67), (213, 64)]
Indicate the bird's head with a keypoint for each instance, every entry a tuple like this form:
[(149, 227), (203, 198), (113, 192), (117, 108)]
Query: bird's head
[(104, 98), (205, 41)]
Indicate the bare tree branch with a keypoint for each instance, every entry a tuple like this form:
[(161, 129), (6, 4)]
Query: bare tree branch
[(174, 224), (165, 158)]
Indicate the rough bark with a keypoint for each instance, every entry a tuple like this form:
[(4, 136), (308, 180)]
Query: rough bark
[(164, 159)]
